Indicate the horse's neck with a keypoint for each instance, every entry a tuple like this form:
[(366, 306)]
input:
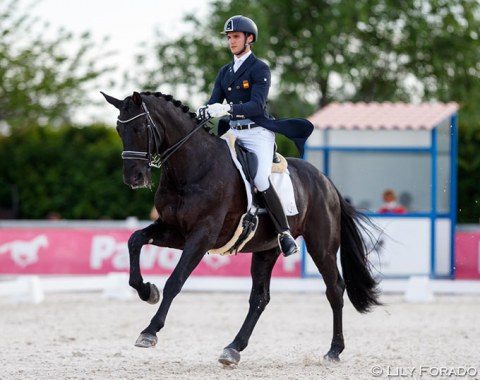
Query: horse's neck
[(195, 157), (193, 161)]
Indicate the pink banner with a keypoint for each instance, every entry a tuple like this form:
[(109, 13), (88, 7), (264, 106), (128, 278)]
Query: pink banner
[(467, 255), (58, 251)]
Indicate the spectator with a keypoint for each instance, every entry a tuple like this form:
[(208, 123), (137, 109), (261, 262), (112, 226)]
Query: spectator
[(53, 215), (154, 214), (390, 205)]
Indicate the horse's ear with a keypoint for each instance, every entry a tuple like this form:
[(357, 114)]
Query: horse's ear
[(113, 101), (137, 98)]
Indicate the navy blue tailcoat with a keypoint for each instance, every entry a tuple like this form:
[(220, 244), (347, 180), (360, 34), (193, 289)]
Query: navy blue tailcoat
[(247, 91)]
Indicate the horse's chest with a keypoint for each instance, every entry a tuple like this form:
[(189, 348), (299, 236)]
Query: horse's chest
[(174, 209), (169, 210)]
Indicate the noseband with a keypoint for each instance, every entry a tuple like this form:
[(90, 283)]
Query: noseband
[(151, 155)]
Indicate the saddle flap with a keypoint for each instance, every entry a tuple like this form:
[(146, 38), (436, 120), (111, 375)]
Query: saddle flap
[(248, 160)]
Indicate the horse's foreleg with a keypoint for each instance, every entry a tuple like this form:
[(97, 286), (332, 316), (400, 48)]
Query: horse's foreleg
[(192, 254), (261, 271), (158, 234)]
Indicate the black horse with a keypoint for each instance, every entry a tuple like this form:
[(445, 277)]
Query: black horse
[(200, 202)]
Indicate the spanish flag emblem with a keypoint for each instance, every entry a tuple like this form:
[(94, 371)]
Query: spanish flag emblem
[(246, 84)]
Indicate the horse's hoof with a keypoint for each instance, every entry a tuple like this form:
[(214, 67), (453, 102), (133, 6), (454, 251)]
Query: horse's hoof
[(331, 357), (154, 294), (146, 340), (229, 357)]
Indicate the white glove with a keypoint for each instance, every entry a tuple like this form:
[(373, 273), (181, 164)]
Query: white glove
[(218, 110), (201, 112)]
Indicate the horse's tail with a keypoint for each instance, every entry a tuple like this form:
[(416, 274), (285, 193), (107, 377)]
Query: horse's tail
[(362, 288)]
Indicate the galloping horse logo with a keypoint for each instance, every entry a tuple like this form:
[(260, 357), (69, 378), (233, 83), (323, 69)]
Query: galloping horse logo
[(24, 253)]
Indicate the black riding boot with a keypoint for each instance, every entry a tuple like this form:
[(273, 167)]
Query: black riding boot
[(275, 210)]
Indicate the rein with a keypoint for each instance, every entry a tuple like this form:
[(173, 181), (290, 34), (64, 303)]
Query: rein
[(152, 156)]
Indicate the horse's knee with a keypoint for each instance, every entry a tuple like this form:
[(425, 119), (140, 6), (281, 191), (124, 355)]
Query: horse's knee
[(136, 240), (172, 287)]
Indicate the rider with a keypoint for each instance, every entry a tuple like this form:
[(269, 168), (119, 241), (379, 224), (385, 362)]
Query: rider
[(244, 83)]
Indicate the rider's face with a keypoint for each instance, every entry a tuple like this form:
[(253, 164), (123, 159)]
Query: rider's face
[(236, 42)]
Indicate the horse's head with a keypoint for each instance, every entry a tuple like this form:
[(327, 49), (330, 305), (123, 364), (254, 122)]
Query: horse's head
[(135, 130)]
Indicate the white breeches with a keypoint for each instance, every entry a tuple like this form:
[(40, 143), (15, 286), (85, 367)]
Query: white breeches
[(261, 141)]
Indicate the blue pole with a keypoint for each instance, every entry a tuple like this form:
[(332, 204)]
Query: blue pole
[(453, 190), (433, 207), (326, 152)]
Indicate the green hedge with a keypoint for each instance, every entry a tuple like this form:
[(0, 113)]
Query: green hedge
[(468, 175), (75, 172)]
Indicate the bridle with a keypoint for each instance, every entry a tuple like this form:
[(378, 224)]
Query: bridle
[(151, 155)]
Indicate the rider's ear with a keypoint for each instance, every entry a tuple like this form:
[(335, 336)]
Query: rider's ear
[(113, 101), (137, 98)]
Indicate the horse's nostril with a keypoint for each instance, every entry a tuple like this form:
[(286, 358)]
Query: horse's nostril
[(134, 179), (138, 179)]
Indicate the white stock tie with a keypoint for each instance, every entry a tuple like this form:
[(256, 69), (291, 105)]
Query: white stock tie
[(237, 64)]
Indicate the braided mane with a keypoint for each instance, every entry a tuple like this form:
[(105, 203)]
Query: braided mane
[(177, 103), (170, 98)]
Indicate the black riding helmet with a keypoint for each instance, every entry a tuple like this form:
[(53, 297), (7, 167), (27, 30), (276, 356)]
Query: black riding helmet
[(243, 24)]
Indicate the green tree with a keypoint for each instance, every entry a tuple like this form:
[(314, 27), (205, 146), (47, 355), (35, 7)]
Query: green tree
[(338, 49), (468, 169), (42, 79)]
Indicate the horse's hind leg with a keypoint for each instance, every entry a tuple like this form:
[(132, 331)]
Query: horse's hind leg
[(323, 252), (261, 271), (159, 234)]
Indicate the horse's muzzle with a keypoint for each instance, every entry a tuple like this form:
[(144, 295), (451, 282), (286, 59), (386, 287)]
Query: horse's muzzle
[(137, 177)]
